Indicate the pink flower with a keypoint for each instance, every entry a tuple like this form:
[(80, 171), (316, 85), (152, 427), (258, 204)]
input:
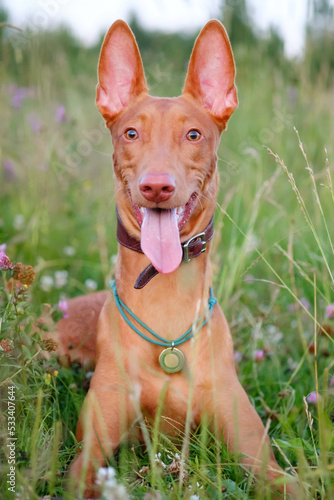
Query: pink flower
[(330, 311), (3, 247), (63, 306), (313, 398), (331, 382), (259, 355), (5, 263)]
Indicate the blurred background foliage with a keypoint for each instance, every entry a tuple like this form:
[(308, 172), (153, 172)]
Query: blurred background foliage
[(56, 171)]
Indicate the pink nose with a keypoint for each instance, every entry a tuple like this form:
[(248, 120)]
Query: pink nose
[(157, 187)]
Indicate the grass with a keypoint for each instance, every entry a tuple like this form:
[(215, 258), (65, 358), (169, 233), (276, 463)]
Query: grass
[(273, 264)]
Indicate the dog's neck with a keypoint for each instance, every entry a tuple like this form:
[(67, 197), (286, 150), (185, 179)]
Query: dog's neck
[(185, 291)]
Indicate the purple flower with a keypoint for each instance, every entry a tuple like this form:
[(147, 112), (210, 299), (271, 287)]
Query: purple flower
[(9, 169), (3, 247), (60, 114), (313, 398), (330, 311), (5, 263), (35, 123), (63, 306), (237, 356), (259, 355), (331, 382), (303, 302), (18, 95)]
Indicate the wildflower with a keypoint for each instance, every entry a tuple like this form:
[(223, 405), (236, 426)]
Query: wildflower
[(6, 346), (303, 303), (158, 461), (47, 378), (60, 114), (48, 345), (237, 356), (9, 169), (5, 263), (69, 251), (46, 283), (327, 329), (63, 306), (18, 222), (275, 334), (91, 284), (111, 490), (259, 355), (284, 393), (35, 123), (61, 278), (18, 95), (331, 382), (55, 373), (3, 247), (313, 398), (330, 311), (23, 274)]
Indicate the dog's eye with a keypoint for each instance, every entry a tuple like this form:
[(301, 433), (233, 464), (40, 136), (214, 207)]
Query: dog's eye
[(131, 134), (193, 135)]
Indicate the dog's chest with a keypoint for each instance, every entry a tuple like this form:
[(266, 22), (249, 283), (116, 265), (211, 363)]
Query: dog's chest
[(170, 399)]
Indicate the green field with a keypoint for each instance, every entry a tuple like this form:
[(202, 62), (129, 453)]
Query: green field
[(273, 260)]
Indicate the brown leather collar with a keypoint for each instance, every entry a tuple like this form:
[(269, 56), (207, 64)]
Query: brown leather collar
[(191, 248)]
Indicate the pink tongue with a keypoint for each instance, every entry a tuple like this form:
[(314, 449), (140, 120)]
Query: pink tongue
[(160, 239)]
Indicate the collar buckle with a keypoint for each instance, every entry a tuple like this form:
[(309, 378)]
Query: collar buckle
[(200, 236)]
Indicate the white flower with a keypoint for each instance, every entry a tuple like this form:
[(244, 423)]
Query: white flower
[(46, 283), (18, 222), (158, 461), (91, 284), (69, 251), (61, 278), (111, 490)]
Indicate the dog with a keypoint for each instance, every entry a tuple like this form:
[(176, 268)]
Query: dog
[(159, 327)]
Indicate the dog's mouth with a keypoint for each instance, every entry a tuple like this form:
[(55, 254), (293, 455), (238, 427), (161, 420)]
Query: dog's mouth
[(160, 233)]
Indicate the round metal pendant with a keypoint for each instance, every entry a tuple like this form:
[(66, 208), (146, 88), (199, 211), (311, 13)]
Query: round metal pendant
[(172, 360)]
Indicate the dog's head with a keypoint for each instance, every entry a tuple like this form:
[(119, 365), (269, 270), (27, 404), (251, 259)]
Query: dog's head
[(165, 149)]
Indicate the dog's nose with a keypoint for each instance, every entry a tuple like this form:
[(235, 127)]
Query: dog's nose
[(157, 187)]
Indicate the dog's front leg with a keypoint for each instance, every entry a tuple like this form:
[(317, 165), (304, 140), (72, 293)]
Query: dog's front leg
[(226, 404), (102, 424), (245, 434)]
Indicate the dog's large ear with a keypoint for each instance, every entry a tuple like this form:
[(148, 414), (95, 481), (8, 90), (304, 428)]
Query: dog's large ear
[(120, 71), (211, 73)]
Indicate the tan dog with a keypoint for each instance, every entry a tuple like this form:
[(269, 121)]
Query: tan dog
[(165, 155)]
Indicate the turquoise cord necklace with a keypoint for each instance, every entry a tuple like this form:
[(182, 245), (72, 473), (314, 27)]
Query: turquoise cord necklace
[(171, 359)]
